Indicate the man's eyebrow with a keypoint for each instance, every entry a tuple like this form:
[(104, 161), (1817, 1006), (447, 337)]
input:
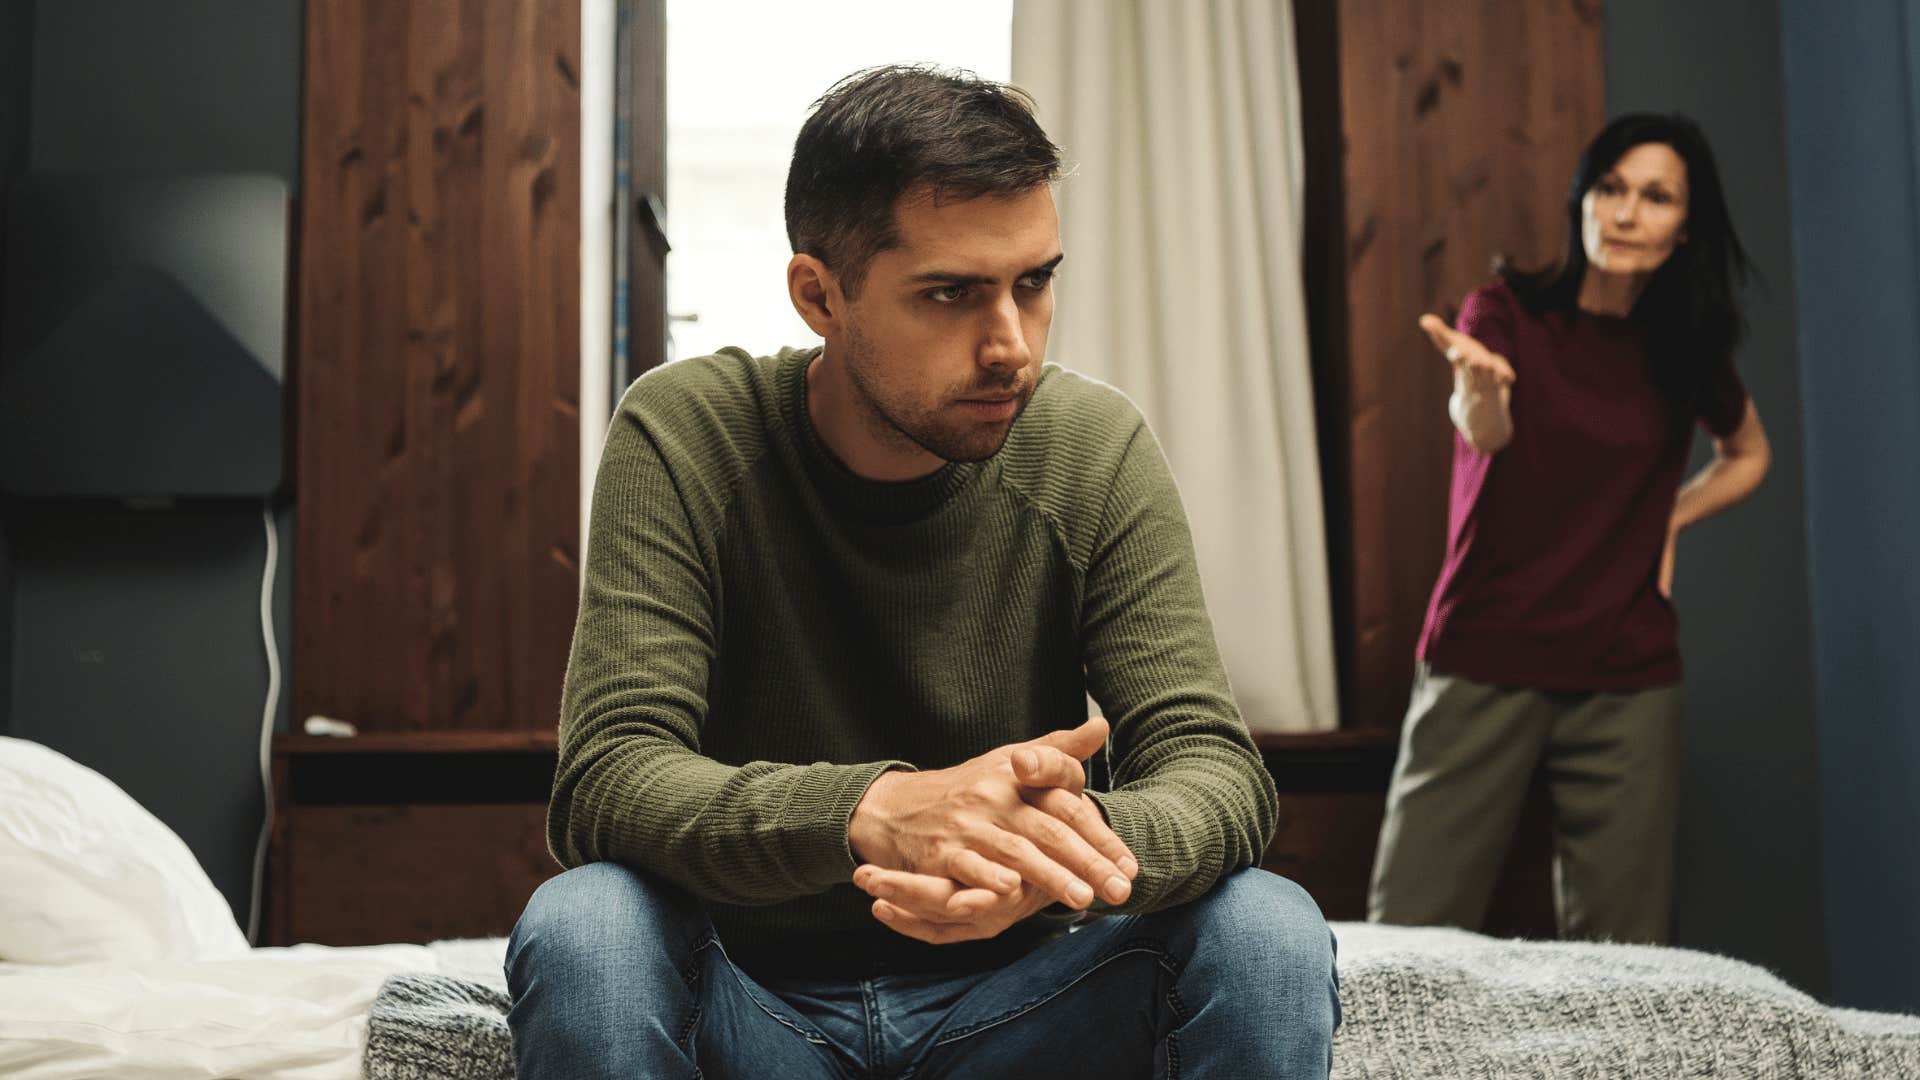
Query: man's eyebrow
[(947, 277)]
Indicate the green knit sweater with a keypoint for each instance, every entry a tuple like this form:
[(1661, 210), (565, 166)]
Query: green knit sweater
[(762, 633)]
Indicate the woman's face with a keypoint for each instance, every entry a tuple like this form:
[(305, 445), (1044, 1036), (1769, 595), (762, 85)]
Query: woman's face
[(1636, 213)]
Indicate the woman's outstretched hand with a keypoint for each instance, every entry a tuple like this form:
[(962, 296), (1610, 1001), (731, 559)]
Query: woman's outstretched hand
[(1482, 386), (1475, 361)]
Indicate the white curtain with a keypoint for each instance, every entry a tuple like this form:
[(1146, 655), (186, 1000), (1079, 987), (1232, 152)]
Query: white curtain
[(1181, 220)]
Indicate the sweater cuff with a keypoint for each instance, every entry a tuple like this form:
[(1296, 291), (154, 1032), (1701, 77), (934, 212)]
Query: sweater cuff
[(819, 813), (1131, 818)]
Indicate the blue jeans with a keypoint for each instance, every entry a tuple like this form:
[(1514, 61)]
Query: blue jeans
[(614, 973)]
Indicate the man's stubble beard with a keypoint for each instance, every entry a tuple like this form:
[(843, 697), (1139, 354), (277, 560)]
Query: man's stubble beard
[(911, 426)]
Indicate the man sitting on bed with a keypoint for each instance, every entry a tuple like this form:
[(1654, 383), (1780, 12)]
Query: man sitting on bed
[(820, 778)]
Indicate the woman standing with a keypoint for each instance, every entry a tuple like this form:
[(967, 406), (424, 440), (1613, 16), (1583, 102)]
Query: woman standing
[(1550, 642)]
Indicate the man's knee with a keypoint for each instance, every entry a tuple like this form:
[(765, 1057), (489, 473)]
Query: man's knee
[(601, 914), (1265, 923)]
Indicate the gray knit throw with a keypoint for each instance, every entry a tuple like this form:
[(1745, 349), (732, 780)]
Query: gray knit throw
[(425, 1026), (1446, 1003), (1417, 1003)]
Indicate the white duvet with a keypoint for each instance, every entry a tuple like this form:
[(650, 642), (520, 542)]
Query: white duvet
[(298, 1013), (118, 958)]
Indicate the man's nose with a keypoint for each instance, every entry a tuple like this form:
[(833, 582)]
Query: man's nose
[(1004, 344)]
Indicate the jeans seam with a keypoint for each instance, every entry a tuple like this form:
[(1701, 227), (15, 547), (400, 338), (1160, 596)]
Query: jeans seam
[(690, 975), (1179, 1010), (712, 940), (1158, 951), (870, 1005)]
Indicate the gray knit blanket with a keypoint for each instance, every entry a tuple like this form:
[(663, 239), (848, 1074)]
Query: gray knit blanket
[(447, 1023), (1417, 1003), (1446, 1003)]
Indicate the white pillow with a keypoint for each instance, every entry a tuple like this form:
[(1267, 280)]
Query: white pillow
[(87, 874)]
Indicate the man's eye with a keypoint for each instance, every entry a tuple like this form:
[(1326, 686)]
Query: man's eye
[(1037, 280), (948, 294)]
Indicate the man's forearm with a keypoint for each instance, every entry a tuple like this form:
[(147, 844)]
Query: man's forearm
[(1193, 800), (1192, 826), (755, 834)]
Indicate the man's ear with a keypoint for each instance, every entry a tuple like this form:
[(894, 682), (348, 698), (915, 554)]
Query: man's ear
[(815, 294)]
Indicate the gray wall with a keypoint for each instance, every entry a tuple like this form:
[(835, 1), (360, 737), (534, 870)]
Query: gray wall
[(138, 652), (16, 87), (1750, 837), (136, 642), (1852, 78), (16, 82)]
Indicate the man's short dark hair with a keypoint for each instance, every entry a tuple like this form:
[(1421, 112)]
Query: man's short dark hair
[(886, 131)]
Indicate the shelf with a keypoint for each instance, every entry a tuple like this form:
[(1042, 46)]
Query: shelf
[(1353, 739), (407, 836), (421, 742)]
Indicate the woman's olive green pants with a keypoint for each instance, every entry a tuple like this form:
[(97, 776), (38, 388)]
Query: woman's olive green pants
[(1467, 754)]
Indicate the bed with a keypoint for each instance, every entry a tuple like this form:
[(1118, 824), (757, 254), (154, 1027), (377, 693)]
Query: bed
[(118, 958), (1418, 1003)]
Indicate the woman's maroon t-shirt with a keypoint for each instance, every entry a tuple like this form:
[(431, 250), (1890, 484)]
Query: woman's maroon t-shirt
[(1553, 543)]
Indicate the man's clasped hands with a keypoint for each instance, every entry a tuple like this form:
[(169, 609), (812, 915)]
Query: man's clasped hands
[(962, 853)]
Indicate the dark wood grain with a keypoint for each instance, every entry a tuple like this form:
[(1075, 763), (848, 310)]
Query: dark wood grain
[(1323, 259), (436, 563), (364, 875), (275, 917), (1461, 122)]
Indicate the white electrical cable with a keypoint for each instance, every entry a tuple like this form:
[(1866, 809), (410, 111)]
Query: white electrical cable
[(266, 721)]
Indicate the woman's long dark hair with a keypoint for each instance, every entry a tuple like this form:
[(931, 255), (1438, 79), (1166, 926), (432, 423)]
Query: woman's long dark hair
[(1691, 308)]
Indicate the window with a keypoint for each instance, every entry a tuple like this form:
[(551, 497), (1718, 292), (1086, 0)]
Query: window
[(740, 78)]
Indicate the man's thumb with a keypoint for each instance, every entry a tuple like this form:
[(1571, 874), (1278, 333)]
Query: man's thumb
[(1082, 742)]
